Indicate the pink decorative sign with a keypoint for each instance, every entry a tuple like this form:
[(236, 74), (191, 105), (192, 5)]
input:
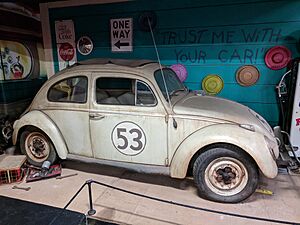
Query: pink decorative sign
[(278, 57), (180, 70)]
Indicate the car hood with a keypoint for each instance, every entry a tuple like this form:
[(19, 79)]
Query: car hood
[(222, 109)]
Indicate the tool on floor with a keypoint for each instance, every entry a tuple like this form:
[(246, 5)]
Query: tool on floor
[(26, 164), (21, 188), (65, 176), (45, 172), (264, 191), (45, 168)]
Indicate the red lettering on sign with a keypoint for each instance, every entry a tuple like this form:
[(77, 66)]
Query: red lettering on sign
[(66, 51), (298, 122)]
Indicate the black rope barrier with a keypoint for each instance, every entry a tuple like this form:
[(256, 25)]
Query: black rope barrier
[(92, 211)]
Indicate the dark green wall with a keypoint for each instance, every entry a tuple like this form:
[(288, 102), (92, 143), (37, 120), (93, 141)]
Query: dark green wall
[(208, 37)]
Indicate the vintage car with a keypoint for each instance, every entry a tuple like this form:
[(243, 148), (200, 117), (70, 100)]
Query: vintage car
[(138, 115)]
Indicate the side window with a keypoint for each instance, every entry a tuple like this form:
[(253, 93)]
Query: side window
[(123, 91), (115, 91), (145, 97), (69, 90)]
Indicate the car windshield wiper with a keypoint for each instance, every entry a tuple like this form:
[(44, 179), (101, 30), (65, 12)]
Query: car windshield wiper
[(172, 93)]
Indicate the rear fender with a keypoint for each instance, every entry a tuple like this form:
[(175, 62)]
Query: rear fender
[(44, 123)]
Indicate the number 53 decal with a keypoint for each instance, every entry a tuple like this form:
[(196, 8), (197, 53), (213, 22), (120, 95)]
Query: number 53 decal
[(128, 138)]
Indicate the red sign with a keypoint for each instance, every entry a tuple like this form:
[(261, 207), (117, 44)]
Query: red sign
[(298, 122), (66, 51)]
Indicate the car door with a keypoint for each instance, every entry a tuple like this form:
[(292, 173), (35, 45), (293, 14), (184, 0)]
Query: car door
[(68, 107), (127, 120)]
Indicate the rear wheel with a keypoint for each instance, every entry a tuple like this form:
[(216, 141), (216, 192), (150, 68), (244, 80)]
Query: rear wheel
[(225, 174), (37, 146)]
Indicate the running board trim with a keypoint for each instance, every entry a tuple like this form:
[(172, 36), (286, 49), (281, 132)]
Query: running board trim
[(140, 168)]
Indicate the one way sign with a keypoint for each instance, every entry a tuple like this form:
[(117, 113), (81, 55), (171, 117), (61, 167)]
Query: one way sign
[(121, 35)]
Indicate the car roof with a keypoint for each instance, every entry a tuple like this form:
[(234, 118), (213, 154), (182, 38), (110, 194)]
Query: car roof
[(130, 65), (120, 62)]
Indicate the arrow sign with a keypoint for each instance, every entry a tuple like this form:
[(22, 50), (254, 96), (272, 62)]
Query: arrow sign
[(120, 44), (121, 35)]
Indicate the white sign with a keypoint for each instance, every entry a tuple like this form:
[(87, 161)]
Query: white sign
[(128, 138), (64, 30), (121, 35), (65, 42)]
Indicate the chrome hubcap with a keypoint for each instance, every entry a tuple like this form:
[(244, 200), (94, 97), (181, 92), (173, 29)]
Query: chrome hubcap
[(226, 176), (36, 146)]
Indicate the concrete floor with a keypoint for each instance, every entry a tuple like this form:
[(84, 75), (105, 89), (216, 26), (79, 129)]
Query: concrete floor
[(124, 208)]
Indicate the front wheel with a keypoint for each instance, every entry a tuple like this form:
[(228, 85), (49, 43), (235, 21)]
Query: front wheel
[(37, 146), (225, 174)]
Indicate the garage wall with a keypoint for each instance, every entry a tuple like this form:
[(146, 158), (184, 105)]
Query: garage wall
[(208, 37), (23, 71)]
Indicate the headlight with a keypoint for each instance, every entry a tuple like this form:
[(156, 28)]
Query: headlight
[(262, 121)]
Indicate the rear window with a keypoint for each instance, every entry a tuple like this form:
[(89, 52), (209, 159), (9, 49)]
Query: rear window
[(73, 90)]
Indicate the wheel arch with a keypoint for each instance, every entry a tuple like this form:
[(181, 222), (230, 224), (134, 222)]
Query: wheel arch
[(215, 145), (252, 143), (41, 121)]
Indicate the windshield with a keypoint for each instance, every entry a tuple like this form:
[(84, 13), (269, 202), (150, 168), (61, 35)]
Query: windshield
[(172, 82)]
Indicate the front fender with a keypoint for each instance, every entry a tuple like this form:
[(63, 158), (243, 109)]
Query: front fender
[(44, 123), (251, 142)]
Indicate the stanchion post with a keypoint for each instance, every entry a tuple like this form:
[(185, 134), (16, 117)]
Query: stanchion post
[(91, 210)]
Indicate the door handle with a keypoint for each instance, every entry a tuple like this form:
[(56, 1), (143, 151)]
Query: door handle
[(96, 116)]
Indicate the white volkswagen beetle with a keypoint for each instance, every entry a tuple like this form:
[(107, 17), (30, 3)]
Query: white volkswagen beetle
[(138, 115)]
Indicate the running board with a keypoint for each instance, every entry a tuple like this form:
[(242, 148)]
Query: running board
[(140, 168)]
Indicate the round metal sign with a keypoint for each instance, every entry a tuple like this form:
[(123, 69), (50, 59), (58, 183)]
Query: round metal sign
[(180, 70), (66, 51), (128, 138), (247, 75), (212, 84), (85, 45), (278, 57)]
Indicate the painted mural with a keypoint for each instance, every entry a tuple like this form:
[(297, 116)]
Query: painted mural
[(16, 61), (217, 37)]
